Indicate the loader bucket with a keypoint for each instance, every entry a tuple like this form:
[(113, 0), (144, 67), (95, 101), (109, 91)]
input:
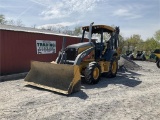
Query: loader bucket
[(61, 78)]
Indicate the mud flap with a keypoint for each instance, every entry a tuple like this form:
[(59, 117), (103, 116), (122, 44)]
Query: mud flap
[(60, 78)]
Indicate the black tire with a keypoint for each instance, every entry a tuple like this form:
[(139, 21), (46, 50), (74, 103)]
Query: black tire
[(90, 71), (158, 63), (131, 57), (143, 58), (113, 69), (156, 59)]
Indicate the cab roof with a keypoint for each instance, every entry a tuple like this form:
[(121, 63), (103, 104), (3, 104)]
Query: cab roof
[(98, 28)]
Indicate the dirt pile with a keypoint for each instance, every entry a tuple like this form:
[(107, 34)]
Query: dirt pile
[(126, 63)]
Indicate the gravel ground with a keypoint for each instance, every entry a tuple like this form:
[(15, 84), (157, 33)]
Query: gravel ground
[(132, 95)]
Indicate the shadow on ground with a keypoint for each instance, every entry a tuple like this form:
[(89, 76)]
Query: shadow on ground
[(128, 78)]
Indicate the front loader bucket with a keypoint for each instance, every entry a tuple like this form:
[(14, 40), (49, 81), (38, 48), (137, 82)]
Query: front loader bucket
[(61, 78)]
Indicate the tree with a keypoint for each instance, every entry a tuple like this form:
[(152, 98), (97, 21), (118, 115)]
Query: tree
[(157, 35), (11, 22), (33, 26), (19, 23), (150, 44), (134, 42), (121, 42), (77, 31), (122, 46), (2, 19), (135, 39)]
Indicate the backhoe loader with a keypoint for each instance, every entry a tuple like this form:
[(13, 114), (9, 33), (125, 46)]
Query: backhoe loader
[(85, 59), (157, 53)]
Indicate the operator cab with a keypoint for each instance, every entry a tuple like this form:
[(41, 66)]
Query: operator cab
[(103, 37)]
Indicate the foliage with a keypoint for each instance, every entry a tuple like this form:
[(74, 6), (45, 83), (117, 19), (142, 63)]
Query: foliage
[(132, 43), (10, 22), (150, 44), (2, 19), (121, 42), (77, 31), (137, 44), (134, 40), (157, 35)]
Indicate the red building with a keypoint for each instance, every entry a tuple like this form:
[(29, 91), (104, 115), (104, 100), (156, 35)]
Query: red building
[(20, 45)]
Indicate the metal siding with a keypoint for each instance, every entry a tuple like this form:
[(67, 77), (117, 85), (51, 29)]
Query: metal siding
[(19, 48)]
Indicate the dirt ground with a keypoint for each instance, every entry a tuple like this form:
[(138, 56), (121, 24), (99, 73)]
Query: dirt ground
[(132, 95)]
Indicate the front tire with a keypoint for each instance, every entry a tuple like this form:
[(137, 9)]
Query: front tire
[(92, 73)]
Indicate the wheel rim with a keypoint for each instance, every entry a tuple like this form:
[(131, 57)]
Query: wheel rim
[(114, 67), (96, 73)]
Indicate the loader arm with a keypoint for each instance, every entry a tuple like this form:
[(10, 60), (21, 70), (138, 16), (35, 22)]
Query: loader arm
[(81, 56)]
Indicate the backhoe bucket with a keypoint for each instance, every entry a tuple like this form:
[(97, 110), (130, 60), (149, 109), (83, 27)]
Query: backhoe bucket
[(60, 78)]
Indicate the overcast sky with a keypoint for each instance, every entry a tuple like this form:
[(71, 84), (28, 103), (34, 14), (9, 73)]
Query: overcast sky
[(133, 16)]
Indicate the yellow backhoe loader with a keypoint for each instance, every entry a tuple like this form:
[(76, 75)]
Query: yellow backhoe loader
[(85, 59), (157, 53)]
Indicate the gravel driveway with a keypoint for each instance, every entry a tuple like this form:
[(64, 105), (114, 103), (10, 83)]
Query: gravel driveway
[(132, 95)]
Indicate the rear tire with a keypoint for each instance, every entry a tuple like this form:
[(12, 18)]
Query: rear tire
[(92, 73), (158, 63), (113, 69)]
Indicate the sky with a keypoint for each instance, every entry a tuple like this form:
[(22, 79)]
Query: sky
[(133, 16)]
